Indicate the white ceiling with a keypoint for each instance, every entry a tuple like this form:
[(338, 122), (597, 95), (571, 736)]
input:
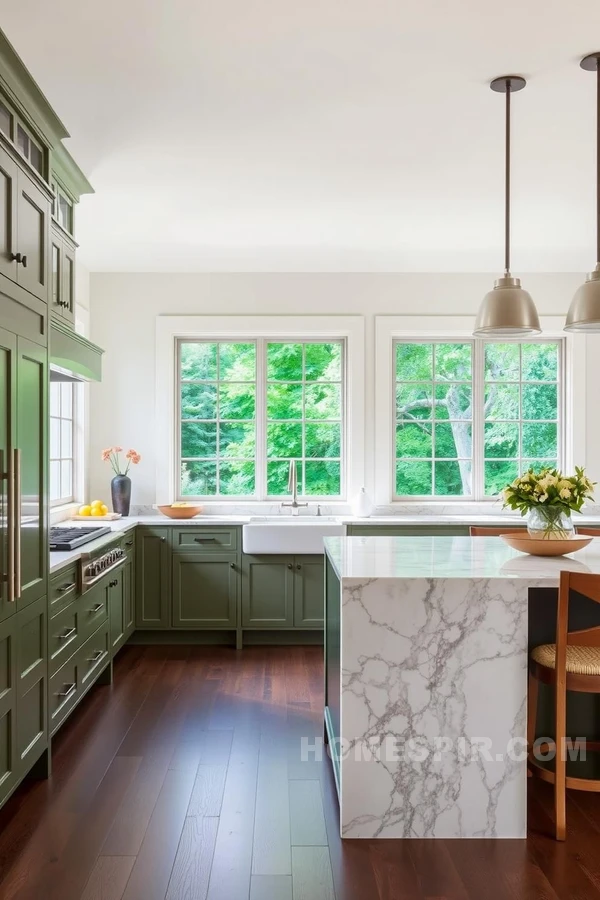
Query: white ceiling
[(357, 135)]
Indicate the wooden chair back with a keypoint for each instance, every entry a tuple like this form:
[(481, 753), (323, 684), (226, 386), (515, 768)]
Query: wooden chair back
[(482, 531), (589, 586)]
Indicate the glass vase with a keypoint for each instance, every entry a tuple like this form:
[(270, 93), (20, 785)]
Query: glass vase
[(550, 523)]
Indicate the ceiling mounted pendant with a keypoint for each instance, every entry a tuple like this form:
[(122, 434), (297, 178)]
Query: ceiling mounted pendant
[(507, 309), (584, 312)]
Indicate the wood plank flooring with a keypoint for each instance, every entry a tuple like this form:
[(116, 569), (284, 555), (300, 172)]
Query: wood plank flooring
[(184, 781)]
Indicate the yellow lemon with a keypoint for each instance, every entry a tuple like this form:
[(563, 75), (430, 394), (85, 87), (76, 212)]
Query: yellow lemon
[(96, 511), (96, 503), (85, 510), (104, 509)]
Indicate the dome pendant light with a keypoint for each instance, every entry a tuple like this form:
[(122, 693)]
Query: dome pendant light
[(507, 310), (584, 312)]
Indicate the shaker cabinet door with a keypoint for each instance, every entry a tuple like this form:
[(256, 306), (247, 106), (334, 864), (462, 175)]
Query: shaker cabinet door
[(33, 230), (8, 215), (152, 580), (309, 591), (8, 394), (205, 591), (267, 591)]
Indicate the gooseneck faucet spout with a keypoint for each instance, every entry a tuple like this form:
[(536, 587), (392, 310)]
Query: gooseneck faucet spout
[(293, 487)]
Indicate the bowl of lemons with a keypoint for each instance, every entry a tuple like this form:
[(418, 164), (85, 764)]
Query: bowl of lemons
[(96, 509), (180, 510)]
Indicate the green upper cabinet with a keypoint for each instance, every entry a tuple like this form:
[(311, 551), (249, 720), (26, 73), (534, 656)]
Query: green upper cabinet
[(25, 228), (309, 589), (152, 578), (205, 590), (62, 276)]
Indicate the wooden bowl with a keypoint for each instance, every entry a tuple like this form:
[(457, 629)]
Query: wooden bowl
[(180, 512), (536, 546)]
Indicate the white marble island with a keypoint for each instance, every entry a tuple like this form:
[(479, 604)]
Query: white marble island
[(426, 682)]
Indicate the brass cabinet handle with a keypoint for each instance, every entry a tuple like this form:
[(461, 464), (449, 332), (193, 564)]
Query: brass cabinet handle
[(67, 634), (17, 518), (65, 587), (96, 608), (97, 655), (69, 689), (10, 514)]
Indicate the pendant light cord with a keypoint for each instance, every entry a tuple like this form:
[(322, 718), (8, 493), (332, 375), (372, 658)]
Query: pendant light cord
[(507, 180), (598, 161)]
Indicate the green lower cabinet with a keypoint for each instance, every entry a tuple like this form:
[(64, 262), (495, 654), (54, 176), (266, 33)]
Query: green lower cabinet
[(268, 591), (309, 588), (32, 683), (116, 609), (9, 767), (408, 530), (205, 590), (152, 578), (128, 597)]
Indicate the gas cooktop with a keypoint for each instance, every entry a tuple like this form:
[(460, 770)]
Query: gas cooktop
[(71, 538)]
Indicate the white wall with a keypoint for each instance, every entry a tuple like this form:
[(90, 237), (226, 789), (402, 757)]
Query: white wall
[(124, 309)]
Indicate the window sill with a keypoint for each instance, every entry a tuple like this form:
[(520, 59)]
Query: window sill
[(62, 512)]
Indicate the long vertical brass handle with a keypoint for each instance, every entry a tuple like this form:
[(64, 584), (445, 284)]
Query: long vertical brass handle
[(17, 518), (10, 520)]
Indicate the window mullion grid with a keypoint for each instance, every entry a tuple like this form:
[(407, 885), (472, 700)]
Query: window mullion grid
[(478, 420), (433, 417), (260, 486)]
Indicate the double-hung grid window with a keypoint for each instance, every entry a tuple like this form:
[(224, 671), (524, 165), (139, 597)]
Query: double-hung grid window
[(246, 408), (471, 415), (62, 442)]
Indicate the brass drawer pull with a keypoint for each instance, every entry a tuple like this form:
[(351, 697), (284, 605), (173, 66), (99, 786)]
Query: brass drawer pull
[(65, 587), (69, 690), (67, 634), (97, 655), (96, 608)]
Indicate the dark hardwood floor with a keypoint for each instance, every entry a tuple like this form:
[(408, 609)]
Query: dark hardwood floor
[(183, 781)]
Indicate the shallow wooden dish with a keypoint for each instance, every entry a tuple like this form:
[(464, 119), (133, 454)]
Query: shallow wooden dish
[(180, 512), (526, 543)]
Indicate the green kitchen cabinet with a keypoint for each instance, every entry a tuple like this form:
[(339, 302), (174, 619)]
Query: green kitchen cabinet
[(377, 530), (268, 591), (128, 598), (9, 172), (9, 767), (32, 683), (152, 578), (31, 467), (116, 609), (62, 276), (309, 586), (205, 590), (8, 395)]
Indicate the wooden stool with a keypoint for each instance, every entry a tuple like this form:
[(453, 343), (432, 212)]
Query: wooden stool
[(571, 664)]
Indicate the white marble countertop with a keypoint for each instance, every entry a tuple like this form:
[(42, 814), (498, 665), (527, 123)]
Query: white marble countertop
[(365, 558)]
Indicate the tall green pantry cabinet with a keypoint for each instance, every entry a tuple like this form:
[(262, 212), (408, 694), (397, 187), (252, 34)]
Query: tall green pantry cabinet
[(40, 185)]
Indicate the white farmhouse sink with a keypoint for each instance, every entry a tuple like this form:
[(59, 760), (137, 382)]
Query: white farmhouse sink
[(288, 534)]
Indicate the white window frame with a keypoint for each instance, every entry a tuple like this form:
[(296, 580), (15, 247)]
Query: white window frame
[(170, 329), (389, 329), (75, 403)]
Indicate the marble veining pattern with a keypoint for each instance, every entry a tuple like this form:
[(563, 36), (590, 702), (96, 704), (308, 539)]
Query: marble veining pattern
[(428, 666)]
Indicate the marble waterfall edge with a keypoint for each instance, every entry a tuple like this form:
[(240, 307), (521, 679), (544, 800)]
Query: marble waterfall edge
[(434, 686)]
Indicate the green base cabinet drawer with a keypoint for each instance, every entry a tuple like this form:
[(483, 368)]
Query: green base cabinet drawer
[(64, 693), (9, 766), (267, 591), (93, 608), (64, 636), (94, 656), (209, 540), (205, 591), (63, 589)]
